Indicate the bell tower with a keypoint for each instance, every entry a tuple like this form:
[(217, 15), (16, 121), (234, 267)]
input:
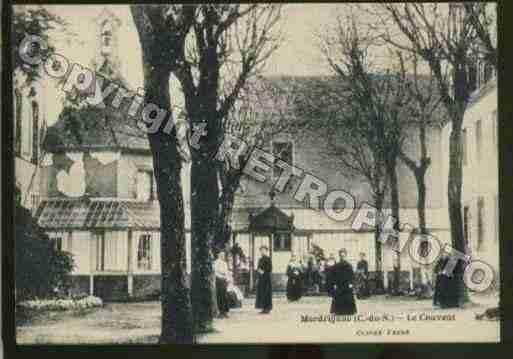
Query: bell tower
[(106, 60)]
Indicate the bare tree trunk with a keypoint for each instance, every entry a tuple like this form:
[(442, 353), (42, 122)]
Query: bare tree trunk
[(226, 210), (176, 306), (204, 213), (380, 286), (421, 200), (394, 201), (454, 199)]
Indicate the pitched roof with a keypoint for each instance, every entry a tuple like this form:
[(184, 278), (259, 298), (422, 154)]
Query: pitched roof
[(271, 219), (93, 127)]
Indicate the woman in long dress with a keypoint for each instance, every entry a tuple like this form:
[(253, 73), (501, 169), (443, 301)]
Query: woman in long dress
[(362, 275), (446, 295), (340, 287), (222, 275), (295, 279), (264, 290)]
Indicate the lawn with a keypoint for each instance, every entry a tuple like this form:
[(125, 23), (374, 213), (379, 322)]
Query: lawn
[(131, 323)]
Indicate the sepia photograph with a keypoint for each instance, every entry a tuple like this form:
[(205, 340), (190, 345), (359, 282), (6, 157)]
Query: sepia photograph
[(254, 173)]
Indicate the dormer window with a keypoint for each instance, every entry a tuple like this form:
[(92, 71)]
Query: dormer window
[(282, 150), (282, 242)]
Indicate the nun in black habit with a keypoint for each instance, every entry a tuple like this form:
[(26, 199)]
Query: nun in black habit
[(264, 290), (340, 287), (295, 279), (446, 287)]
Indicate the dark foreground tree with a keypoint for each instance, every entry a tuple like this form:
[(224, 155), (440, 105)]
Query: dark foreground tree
[(229, 43), (162, 31)]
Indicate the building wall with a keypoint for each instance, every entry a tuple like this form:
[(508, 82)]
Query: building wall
[(480, 173), (128, 166), (84, 248), (101, 174), (73, 174), (27, 176)]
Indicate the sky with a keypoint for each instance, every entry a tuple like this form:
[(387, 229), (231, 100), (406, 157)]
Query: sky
[(298, 55)]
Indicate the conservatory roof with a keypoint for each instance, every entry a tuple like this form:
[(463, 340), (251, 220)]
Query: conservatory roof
[(89, 214)]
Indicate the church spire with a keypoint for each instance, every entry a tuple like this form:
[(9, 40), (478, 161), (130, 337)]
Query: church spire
[(107, 60)]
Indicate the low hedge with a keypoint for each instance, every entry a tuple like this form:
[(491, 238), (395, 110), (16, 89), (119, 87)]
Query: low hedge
[(61, 304)]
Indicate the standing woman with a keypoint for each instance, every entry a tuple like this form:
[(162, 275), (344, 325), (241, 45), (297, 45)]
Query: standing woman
[(295, 278), (340, 287), (222, 276), (446, 288), (264, 290), (362, 276), (439, 278)]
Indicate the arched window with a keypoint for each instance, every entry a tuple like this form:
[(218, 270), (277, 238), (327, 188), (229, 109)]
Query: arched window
[(17, 119), (35, 132)]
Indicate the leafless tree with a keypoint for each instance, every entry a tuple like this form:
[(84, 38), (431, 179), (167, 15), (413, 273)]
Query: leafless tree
[(424, 114), (443, 36), (264, 109), (364, 119), (483, 17), (228, 45)]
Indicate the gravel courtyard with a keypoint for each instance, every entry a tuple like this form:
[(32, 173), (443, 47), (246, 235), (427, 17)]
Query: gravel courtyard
[(132, 323)]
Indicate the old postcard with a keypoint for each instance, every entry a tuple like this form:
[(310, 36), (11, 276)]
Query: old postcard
[(255, 173)]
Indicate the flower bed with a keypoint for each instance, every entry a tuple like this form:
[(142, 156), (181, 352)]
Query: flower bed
[(61, 304)]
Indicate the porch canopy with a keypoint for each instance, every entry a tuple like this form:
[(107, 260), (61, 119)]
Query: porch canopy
[(274, 224)]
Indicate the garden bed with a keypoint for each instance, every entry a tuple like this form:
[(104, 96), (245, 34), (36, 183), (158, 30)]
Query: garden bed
[(61, 304), (32, 310)]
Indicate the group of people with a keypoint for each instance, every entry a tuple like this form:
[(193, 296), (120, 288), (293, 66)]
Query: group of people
[(339, 277), (302, 277), (339, 280), (224, 284)]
